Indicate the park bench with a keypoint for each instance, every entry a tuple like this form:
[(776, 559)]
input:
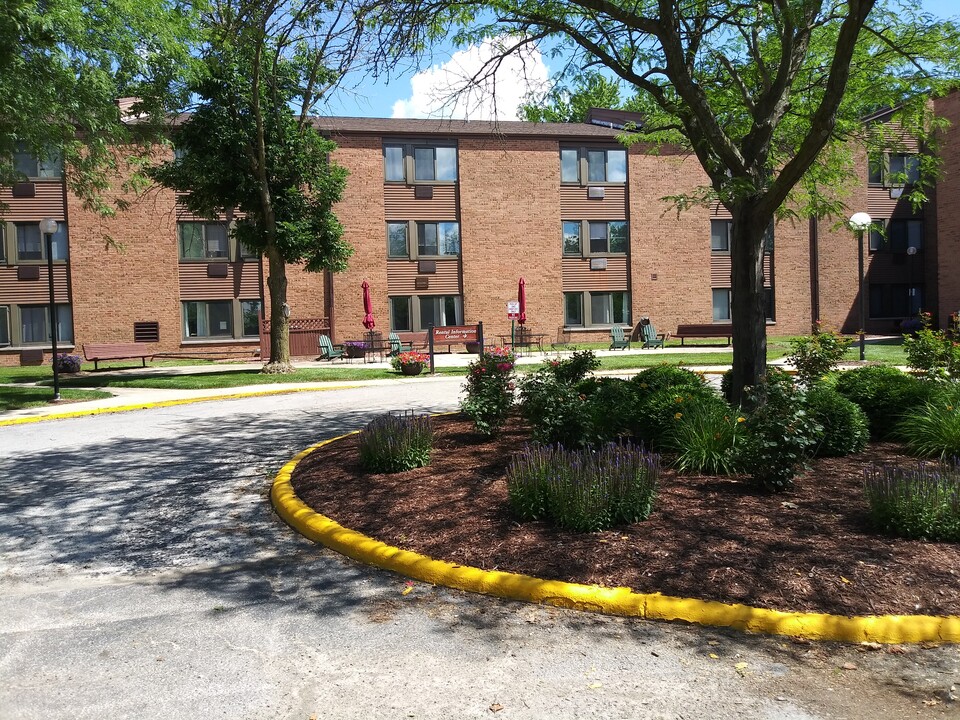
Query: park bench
[(114, 351), (705, 330)]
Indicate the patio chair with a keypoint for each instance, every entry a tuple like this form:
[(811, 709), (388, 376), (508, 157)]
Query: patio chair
[(397, 346), (651, 339), (329, 351), (617, 339), (563, 339)]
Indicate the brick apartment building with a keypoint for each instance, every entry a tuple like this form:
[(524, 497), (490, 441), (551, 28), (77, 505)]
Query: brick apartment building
[(445, 217)]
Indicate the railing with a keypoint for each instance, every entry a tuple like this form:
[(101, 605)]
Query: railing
[(304, 334)]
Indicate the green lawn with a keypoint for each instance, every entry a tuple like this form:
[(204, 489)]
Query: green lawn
[(16, 398)]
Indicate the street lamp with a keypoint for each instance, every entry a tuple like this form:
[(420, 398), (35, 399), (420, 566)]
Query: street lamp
[(860, 223), (49, 227)]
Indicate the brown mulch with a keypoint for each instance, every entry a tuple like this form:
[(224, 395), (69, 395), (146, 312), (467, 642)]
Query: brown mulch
[(708, 537)]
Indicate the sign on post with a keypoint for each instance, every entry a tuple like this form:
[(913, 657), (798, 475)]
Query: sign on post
[(453, 335), (513, 310)]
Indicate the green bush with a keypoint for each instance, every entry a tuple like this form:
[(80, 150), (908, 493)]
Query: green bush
[(663, 376), (933, 429), (932, 352), (583, 490), (557, 411), (920, 502), (846, 428), (612, 405), (488, 396), (704, 435), (815, 355), (780, 437), (656, 413), (575, 368), (775, 374), (394, 443), (885, 394)]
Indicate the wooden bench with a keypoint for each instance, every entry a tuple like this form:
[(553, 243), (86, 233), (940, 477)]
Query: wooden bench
[(706, 330), (114, 351)]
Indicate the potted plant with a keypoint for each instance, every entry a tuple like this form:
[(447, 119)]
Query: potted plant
[(355, 348), (409, 363)]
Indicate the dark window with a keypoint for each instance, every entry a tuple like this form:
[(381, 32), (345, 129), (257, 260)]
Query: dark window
[(608, 237), (571, 238), (397, 240), (203, 241), (895, 300), (435, 239), (905, 234), (904, 169), (4, 324), (250, 316), (35, 324), (875, 170), (31, 244), (720, 236), (573, 309), (609, 308), (208, 319), (400, 314), (876, 238), (439, 310), (47, 168)]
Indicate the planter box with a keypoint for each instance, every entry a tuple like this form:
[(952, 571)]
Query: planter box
[(411, 369)]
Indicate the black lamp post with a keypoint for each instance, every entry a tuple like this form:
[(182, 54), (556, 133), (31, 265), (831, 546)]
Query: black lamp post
[(49, 227), (860, 223)]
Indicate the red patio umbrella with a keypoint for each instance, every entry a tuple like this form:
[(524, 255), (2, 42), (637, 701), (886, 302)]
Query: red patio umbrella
[(368, 321), (522, 298)]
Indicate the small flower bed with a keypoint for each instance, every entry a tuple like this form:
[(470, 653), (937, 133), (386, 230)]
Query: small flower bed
[(68, 363), (394, 443), (410, 358), (583, 490), (921, 502)]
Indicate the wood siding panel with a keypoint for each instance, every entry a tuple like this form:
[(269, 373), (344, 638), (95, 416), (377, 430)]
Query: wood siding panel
[(241, 282), (578, 277), (575, 205), (48, 202), (402, 276), (33, 292), (720, 212), (399, 203), (184, 215), (720, 267), (881, 206)]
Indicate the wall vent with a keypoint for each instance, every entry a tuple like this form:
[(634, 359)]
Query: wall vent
[(146, 331)]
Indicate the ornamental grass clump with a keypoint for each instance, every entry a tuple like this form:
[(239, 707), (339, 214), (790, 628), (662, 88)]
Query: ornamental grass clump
[(920, 502), (704, 434), (583, 490), (933, 429), (394, 443)]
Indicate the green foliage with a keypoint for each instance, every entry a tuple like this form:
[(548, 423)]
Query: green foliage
[(657, 412), (774, 374), (815, 355), (394, 443), (933, 429), (556, 411), (574, 368), (704, 435), (488, 396), (780, 437), (846, 428), (583, 490), (562, 105), (920, 502), (611, 406), (664, 376), (884, 394), (932, 352)]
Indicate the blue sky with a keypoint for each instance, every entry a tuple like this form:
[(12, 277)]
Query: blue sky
[(412, 94)]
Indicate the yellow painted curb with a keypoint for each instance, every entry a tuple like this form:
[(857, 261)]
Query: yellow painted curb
[(593, 598), (164, 403)]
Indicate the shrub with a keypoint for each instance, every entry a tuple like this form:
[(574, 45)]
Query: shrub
[(933, 429), (411, 357), (921, 502), (664, 376), (815, 355), (704, 436), (68, 363), (931, 352), (885, 394), (612, 406), (583, 490), (656, 413), (556, 411), (780, 437), (574, 368), (394, 443), (846, 428), (488, 396), (775, 374)]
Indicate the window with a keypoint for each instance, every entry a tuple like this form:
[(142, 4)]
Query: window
[(246, 253), (46, 168), (875, 170), (438, 238), (720, 236), (4, 324), (604, 308), (35, 324), (893, 169), (203, 241), (721, 304), (250, 317), (593, 165), (608, 237), (419, 163), (397, 240), (3, 242), (571, 238), (208, 319), (899, 236), (32, 246), (895, 300), (876, 238), (418, 313)]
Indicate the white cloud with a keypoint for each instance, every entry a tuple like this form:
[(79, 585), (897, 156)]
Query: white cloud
[(454, 90)]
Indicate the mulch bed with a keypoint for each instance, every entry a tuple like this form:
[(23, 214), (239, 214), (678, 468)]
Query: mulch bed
[(708, 537)]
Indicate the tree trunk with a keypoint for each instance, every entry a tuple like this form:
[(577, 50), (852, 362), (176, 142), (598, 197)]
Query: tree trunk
[(748, 302), (279, 322)]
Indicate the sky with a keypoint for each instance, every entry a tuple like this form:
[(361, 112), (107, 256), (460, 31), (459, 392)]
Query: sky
[(427, 93)]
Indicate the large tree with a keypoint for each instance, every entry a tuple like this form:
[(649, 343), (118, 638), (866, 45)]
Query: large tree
[(248, 146), (64, 64), (767, 95)]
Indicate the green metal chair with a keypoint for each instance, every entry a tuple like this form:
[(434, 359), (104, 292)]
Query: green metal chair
[(650, 337), (329, 351), (397, 346), (617, 339)]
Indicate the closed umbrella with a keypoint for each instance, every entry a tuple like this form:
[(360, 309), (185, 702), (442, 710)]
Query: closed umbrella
[(522, 298), (368, 322)]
